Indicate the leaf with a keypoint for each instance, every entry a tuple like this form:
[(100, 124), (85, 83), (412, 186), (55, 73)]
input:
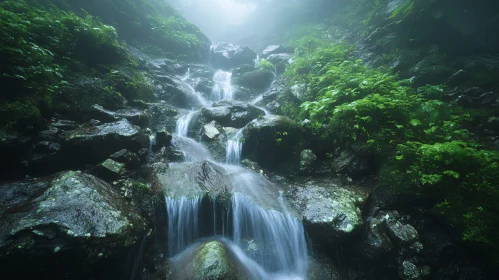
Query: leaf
[(415, 122)]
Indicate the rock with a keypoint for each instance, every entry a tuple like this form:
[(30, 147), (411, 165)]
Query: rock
[(350, 164), (402, 233), (210, 132), (256, 80), (276, 49), (109, 170), (163, 139), (280, 58), (67, 222), (377, 243), (273, 142), (299, 91), (331, 210), (162, 116), (211, 260), (226, 56), (231, 113), (307, 160), (131, 160), (134, 116), (409, 271), (87, 145)]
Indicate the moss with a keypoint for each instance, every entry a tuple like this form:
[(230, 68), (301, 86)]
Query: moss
[(266, 65)]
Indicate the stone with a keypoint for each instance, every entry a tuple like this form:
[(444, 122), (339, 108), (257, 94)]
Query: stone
[(307, 160), (109, 170), (130, 159), (256, 80), (409, 271), (134, 116), (276, 49), (210, 131), (402, 233), (331, 209), (299, 91), (89, 144), (350, 164), (62, 220), (231, 113), (226, 56), (163, 138)]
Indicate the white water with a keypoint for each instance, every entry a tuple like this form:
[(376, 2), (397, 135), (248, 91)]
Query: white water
[(183, 220), (183, 124), (223, 86), (257, 60), (192, 150), (234, 148)]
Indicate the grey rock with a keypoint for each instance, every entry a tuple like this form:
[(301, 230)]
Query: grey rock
[(331, 209), (71, 215), (307, 159), (256, 80), (402, 233), (109, 170), (231, 113), (226, 56), (162, 116), (409, 271), (210, 131), (134, 116), (276, 49), (280, 58), (163, 138), (349, 163)]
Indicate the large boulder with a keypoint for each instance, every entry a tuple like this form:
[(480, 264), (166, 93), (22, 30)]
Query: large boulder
[(331, 210), (92, 144), (231, 113), (276, 49), (251, 83), (212, 260), (273, 142), (226, 56), (134, 116), (162, 116), (68, 223)]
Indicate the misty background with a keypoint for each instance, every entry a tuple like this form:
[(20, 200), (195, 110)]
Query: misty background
[(257, 23)]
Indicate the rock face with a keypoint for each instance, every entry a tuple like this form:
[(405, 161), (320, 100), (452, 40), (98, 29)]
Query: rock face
[(331, 210), (272, 141), (211, 260), (134, 116), (231, 113), (226, 56), (350, 164), (256, 80), (91, 144), (66, 222), (307, 160), (276, 49)]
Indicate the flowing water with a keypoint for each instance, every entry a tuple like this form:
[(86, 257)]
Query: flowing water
[(223, 86), (234, 148), (257, 227)]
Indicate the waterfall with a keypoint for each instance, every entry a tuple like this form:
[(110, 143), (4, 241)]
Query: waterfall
[(275, 240), (223, 86), (183, 124), (187, 75), (257, 60), (183, 220), (234, 148)]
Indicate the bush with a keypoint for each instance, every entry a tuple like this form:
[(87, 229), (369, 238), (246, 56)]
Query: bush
[(266, 65)]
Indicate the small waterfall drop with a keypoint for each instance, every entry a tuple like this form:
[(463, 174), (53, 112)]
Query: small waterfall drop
[(234, 148), (223, 86), (183, 124), (257, 60), (183, 221)]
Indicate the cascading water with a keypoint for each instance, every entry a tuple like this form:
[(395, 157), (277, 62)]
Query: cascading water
[(183, 220), (183, 124), (223, 86), (257, 60), (234, 148)]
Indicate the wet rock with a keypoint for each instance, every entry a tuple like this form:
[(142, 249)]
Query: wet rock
[(409, 271), (211, 260), (163, 139), (226, 56), (67, 222), (89, 144), (162, 116), (307, 160), (210, 131), (331, 210), (109, 170), (256, 80), (402, 233), (377, 242), (276, 49), (231, 113), (350, 164), (195, 179), (134, 116), (131, 160), (273, 142), (299, 90), (280, 58)]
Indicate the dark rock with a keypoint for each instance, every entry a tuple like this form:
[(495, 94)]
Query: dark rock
[(109, 170), (226, 56), (67, 222), (134, 116), (162, 116), (256, 80), (280, 58), (272, 141), (377, 243), (87, 145), (276, 49), (231, 113), (350, 164), (403, 234), (131, 160), (163, 138)]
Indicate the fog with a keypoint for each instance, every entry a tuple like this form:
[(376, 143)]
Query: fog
[(253, 22)]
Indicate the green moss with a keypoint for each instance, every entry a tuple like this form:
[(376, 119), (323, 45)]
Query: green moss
[(266, 65)]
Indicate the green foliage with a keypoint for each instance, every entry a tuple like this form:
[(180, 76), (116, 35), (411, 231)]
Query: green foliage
[(404, 10), (266, 65)]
